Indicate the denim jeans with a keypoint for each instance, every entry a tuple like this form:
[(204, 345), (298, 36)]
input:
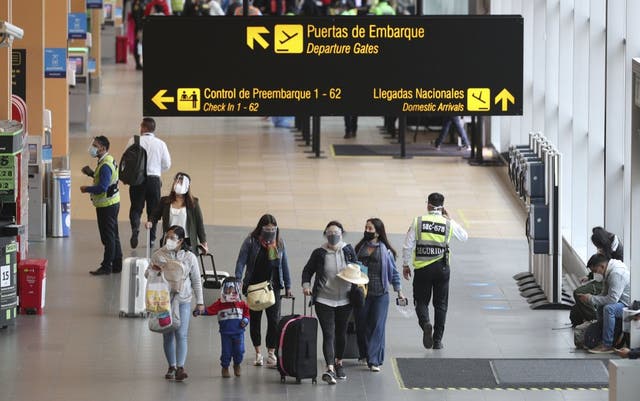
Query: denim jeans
[(176, 341), (457, 122), (232, 348), (371, 323), (609, 314)]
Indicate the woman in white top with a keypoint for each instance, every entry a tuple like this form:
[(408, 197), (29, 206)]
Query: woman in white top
[(175, 342), (181, 208)]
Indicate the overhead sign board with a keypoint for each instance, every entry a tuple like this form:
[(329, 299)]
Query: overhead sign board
[(448, 65)]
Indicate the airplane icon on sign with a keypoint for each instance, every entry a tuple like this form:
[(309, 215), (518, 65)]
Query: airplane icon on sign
[(478, 99), (289, 37)]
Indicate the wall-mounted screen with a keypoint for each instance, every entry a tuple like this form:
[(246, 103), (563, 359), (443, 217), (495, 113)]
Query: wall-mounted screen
[(79, 60)]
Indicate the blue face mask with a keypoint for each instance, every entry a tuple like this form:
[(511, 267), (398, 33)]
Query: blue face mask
[(93, 151)]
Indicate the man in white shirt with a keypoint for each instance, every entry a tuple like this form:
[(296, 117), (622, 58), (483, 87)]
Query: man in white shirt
[(426, 248), (158, 161)]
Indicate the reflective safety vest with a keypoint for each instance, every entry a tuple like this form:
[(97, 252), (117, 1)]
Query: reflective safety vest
[(112, 196), (382, 8), (433, 234), (177, 5)]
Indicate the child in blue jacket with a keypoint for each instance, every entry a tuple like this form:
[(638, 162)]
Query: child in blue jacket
[(233, 317)]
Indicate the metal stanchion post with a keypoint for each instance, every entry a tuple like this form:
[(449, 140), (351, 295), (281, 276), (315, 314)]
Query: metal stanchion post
[(402, 128), (306, 136), (315, 133)]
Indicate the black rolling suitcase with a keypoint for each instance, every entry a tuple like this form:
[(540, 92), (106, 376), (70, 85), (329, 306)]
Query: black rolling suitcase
[(211, 279), (297, 346)]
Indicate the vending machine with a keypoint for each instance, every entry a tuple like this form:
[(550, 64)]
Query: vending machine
[(14, 196)]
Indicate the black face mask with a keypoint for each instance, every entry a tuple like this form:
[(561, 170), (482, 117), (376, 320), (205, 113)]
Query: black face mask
[(334, 239), (368, 235), (268, 236)]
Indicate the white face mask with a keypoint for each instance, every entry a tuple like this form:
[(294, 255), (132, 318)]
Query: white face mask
[(93, 151), (598, 277), (171, 244), (180, 189)]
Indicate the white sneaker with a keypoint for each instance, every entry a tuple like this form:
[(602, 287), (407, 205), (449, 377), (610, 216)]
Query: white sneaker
[(272, 361), (375, 368), (258, 361)]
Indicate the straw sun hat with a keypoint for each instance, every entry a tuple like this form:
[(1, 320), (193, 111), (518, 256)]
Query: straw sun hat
[(353, 275)]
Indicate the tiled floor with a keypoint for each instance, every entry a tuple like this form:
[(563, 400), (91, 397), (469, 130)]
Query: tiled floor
[(80, 350)]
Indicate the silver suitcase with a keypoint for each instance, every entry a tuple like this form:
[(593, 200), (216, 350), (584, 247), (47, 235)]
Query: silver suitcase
[(133, 284)]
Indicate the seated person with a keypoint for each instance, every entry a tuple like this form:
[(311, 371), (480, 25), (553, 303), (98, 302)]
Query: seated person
[(614, 297), (608, 244)]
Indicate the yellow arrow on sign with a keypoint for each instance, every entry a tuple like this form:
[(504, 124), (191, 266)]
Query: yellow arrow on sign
[(504, 96), (159, 99), (254, 34)]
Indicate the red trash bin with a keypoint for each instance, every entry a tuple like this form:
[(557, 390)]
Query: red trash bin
[(32, 284), (122, 43)]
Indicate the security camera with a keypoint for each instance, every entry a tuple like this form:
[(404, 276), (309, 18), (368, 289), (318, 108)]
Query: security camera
[(9, 32)]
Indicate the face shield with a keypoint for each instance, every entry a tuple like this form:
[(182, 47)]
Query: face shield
[(230, 291)]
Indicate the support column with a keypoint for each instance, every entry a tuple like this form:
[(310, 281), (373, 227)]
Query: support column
[(29, 15), (5, 67), (56, 89), (96, 48)]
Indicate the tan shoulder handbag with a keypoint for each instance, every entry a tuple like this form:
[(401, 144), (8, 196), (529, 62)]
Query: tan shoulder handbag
[(260, 296)]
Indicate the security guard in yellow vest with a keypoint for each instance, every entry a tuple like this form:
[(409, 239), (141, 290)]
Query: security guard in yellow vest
[(426, 248), (105, 196)]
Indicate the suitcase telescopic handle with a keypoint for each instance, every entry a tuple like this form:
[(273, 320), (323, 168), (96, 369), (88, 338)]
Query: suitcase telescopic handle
[(213, 264), (307, 303), (293, 303), (148, 243)]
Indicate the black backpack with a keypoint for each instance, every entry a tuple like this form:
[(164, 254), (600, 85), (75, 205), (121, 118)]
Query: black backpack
[(133, 164), (592, 336)]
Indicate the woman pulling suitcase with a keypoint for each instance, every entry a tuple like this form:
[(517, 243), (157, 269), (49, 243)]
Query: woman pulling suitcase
[(331, 296)]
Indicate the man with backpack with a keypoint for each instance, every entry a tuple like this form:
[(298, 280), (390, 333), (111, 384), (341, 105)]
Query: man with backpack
[(146, 157)]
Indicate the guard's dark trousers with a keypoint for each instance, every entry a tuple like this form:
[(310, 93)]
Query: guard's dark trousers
[(433, 278), (108, 226)]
